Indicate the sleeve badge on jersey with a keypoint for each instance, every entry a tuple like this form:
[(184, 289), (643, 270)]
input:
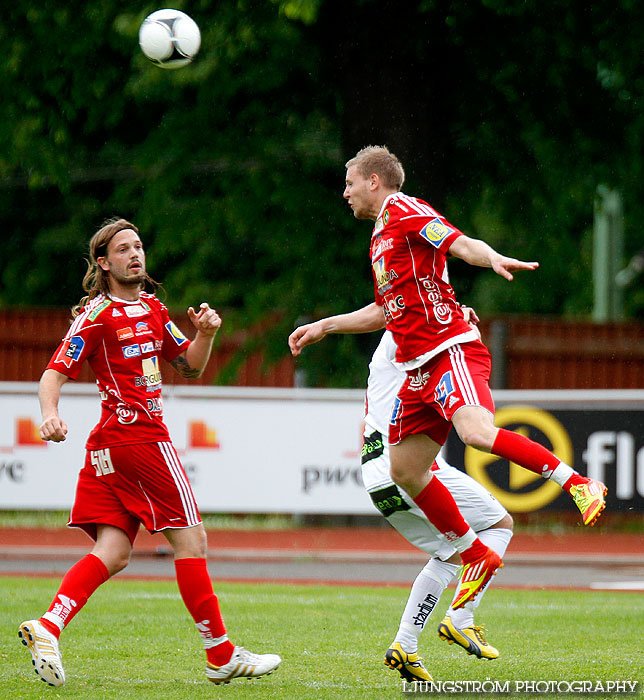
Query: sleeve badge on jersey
[(178, 337), (70, 350), (435, 232), (381, 222)]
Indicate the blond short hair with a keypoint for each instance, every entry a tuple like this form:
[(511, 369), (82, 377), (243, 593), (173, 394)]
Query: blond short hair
[(381, 161)]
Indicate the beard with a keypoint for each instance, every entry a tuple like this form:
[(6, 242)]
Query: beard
[(132, 280)]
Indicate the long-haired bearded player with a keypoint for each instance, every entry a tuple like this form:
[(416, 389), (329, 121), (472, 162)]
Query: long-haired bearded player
[(132, 473)]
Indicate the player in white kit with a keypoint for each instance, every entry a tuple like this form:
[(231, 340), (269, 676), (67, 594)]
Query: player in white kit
[(485, 515)]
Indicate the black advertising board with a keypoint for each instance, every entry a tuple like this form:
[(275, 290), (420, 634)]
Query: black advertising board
[(606, 443)]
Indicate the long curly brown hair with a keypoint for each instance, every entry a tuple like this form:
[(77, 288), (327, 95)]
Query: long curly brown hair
[(96, 280)]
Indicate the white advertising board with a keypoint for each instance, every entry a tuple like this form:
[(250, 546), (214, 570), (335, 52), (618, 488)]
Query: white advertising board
[(245, 450), (254, 450)]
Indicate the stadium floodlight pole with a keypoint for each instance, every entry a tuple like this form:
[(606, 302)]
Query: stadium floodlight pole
[(608, 245)]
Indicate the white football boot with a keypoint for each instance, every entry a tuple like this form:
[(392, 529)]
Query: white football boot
[(243, 664), (45, 655)]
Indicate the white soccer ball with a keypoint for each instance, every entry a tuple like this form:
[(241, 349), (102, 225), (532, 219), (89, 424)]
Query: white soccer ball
[(169, 38)]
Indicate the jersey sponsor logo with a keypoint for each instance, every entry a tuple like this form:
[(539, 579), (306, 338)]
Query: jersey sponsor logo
[(147, 347), (142, 328), (136, 310), (385, 217), (382, 245), (389, 500), (158, 344), (417, 381), (383, 276), (433, 290), (372, 447), (101, 307), (70, 350), (378, 226), (131, 351), (116, 312), (443, 313), (150, 374), (126, 414), (393, 306), (124, 333), (435, 232), (155, 405), (444, 389), (442, 310), (102, 461), (178, 337)]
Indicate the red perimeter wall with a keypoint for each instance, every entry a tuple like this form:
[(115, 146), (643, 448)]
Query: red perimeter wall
[(28, 339), (528, 353)]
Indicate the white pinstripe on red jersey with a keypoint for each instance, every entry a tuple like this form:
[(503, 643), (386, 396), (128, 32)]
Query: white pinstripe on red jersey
[(82, 316), (422, 208)]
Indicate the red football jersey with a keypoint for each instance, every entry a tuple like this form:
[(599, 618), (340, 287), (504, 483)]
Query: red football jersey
[(409, 248), (122, 341)]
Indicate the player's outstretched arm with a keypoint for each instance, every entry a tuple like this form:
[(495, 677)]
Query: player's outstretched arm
[(52, 427), (477, 252), (365, 320), (193, 361)]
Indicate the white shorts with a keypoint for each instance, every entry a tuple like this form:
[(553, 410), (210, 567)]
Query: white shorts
[(478, 506)]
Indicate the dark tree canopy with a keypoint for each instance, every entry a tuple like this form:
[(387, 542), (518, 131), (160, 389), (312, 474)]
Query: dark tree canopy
[(506, 115)]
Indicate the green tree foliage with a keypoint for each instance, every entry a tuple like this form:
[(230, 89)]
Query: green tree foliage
[(507, 116), (231, 168)]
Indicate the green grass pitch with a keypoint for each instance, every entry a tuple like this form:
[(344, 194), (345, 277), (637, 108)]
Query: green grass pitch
[(135, 640)]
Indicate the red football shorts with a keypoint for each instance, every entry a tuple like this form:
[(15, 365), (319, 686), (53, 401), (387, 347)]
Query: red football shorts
[(127, 485), (431, 394)]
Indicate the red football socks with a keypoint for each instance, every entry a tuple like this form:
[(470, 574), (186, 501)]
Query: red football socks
[(524, 452), (196, 590), (77, 586), (475, 551), (441, 510), (575, 480)]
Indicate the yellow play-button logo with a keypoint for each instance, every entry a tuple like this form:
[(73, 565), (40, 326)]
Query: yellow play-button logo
[(523, 418)]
